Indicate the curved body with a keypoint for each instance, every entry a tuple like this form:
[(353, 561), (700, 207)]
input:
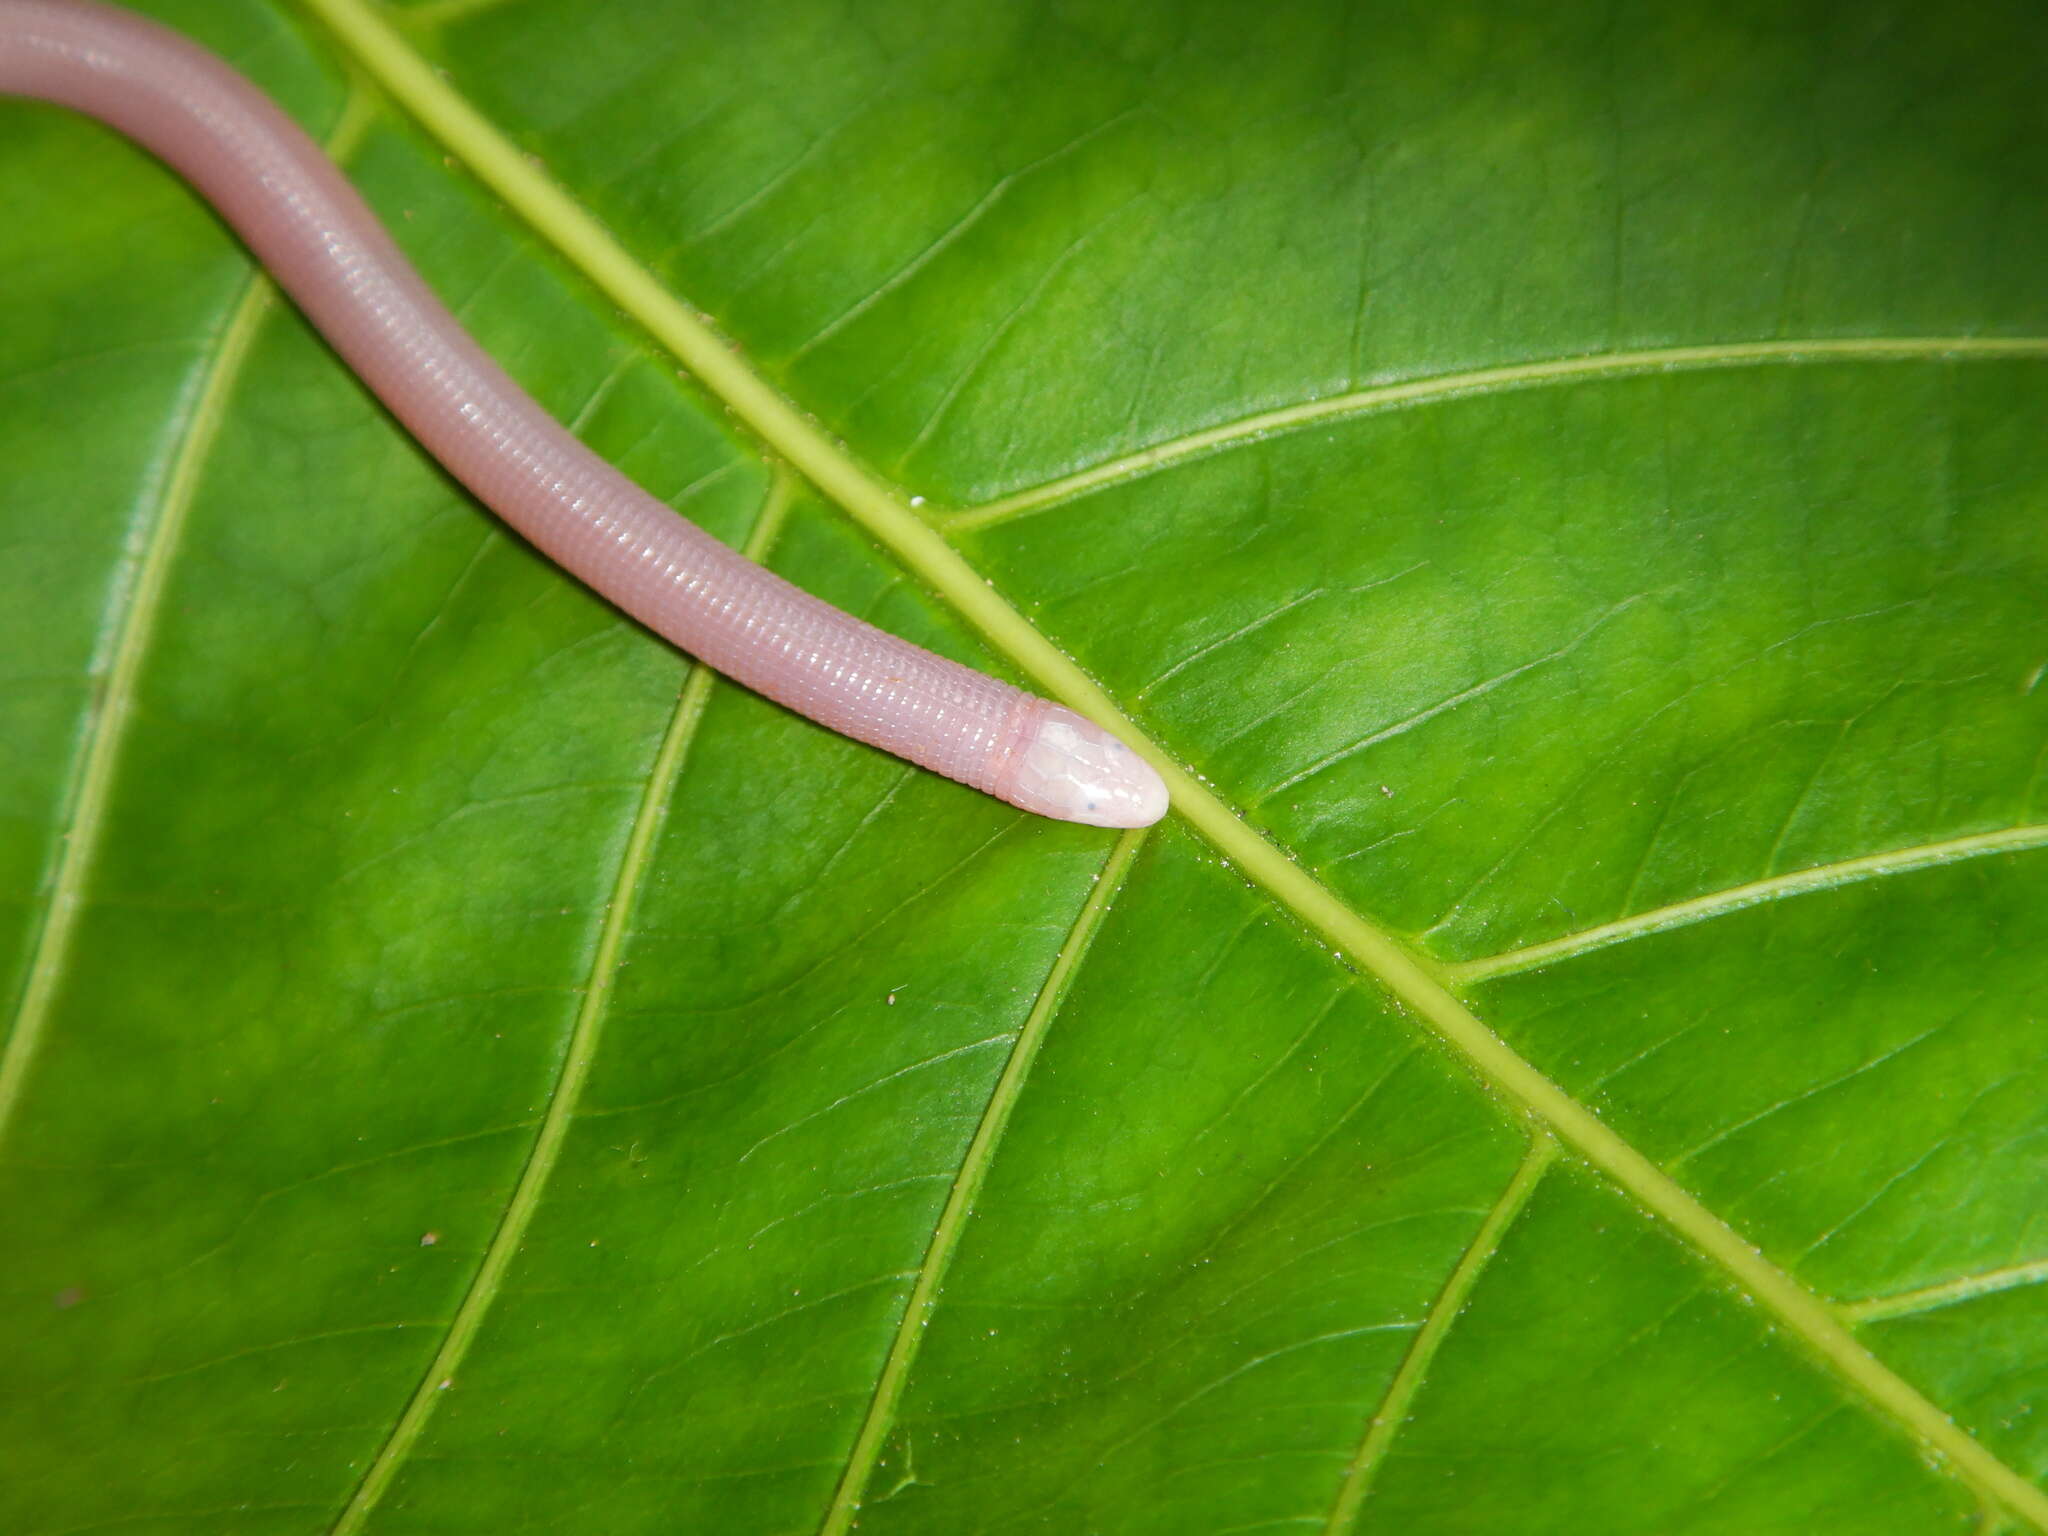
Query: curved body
[(325, 248)]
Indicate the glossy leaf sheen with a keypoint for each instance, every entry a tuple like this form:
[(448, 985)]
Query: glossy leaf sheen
[(468, 1074)]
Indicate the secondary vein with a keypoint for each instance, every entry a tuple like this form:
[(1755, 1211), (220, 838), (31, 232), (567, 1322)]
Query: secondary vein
[(1489, 381), (577, 1058), (974, 1166), (1820, 877), (1877, 1309), (1393, 1410), (127, 632)]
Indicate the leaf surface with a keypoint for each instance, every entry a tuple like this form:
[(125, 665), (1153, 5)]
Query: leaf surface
[(1564, 494)]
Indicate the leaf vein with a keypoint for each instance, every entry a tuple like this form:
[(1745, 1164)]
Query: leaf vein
[(1437, 388), (563, 222), (1949, 1293), (1813, 1092), (974, 1165), (578, 1055), (127, 627), (1819, 877), (1399, 1400), (1442, 706)]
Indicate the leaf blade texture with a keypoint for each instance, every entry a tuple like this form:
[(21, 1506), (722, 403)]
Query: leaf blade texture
[(1564, 495)]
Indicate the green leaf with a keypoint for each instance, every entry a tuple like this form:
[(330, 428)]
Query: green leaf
[(1564, 491)]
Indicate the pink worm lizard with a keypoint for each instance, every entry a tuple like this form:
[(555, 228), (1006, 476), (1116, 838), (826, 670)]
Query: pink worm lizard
[(325, 248)]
